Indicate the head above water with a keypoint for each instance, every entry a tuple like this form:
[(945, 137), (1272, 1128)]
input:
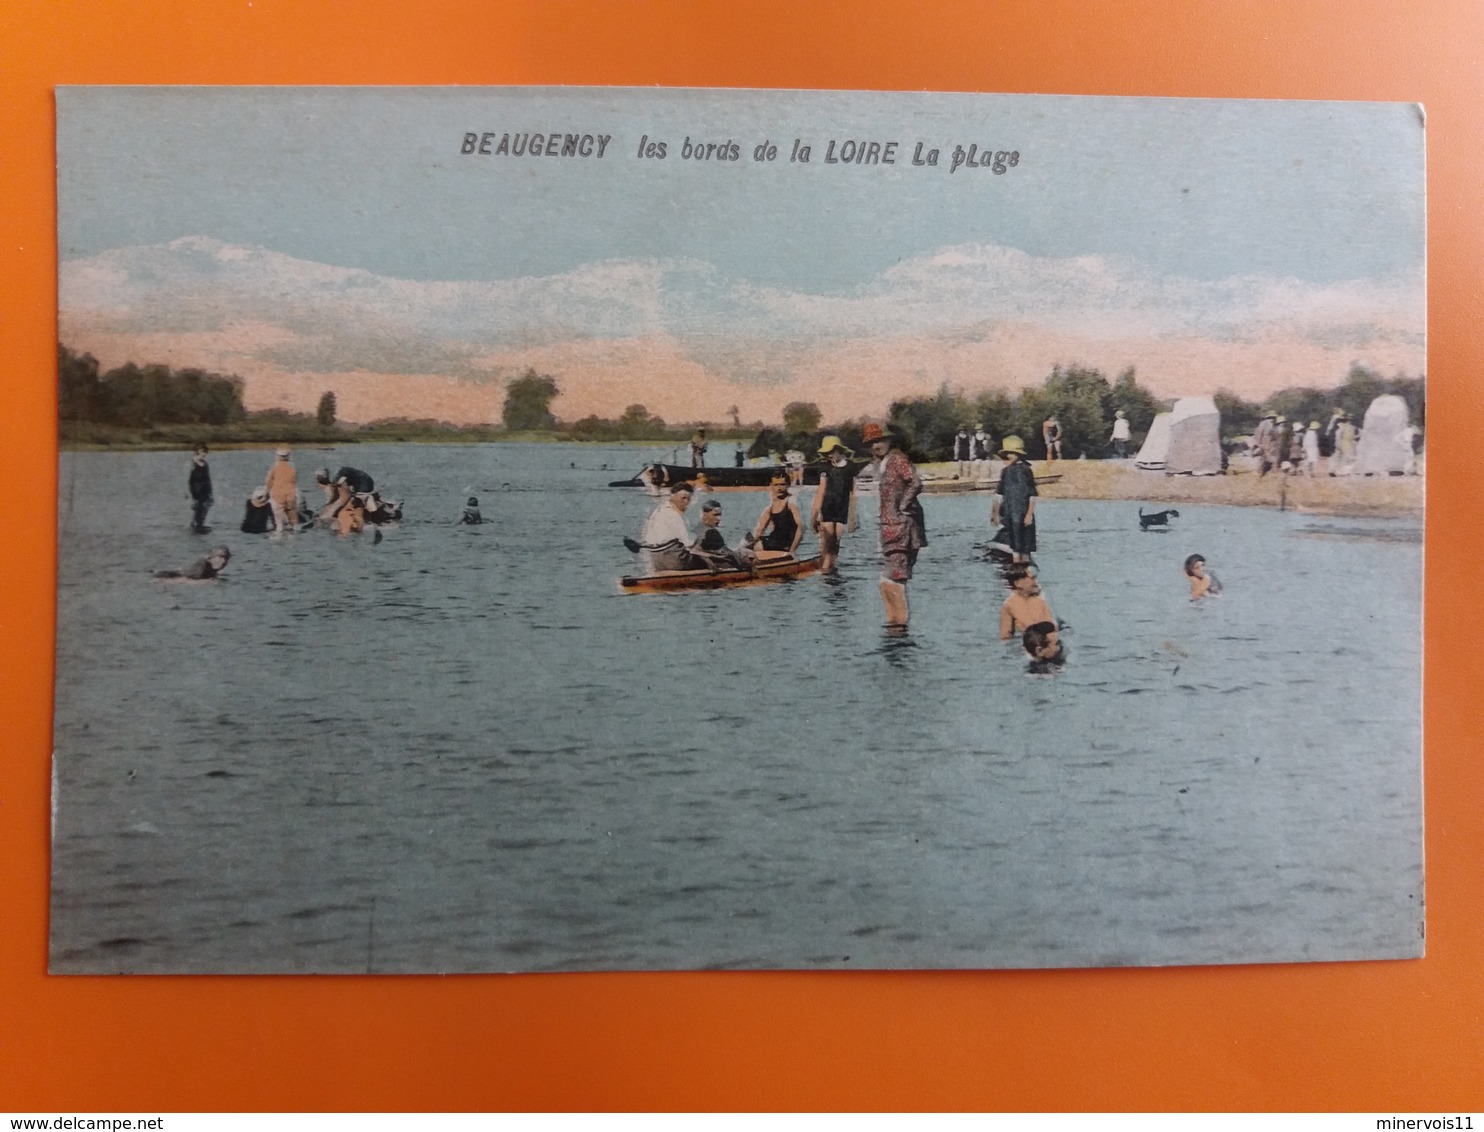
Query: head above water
[(472, 501), (1194, 565), (1024, 582), (1040, 640), (219, 555)]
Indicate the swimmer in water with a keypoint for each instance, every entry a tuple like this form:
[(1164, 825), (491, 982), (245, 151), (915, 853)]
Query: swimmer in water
[(1042, 643), (1202, 584), (1026, 606), (471, 513), (203, 568)]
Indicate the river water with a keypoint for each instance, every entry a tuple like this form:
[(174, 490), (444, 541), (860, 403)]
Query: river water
[(462, 749)]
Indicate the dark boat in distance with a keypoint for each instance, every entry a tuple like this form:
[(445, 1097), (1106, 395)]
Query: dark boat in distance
[(722, 478)]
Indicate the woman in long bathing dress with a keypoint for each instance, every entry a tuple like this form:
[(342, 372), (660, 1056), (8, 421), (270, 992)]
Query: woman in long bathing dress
[(903, 529)]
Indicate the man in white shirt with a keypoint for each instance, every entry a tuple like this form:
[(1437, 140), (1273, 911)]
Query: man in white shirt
[(666, 540), (1120, 434)]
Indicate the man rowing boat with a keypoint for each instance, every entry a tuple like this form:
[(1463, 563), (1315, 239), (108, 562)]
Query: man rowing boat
[(666, 540)]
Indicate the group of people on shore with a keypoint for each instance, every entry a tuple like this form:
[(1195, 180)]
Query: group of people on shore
[(1295, 448)]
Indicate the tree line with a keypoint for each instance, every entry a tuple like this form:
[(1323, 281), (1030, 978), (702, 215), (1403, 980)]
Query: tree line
[(166, 402), (144, 396)]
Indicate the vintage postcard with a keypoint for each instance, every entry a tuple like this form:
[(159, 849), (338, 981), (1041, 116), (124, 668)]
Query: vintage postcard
[(596, 529)]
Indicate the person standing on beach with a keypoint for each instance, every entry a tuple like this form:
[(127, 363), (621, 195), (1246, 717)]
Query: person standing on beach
[(903, 525), (963, 446), (1014, 505), (199, 486), (282, 487), (980, 447), (1263, 442), (830, 516), (1120, 435), (1311, 449), (698, 449), (1051, 435), (1282, 442), (1343, 460)]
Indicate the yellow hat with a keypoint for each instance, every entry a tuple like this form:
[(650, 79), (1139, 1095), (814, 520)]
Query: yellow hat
[(830, 443), (1313, 424), (1012, 444)]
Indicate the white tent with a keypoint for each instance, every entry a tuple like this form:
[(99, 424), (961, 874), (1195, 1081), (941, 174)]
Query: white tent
[(1195, 438), (1156, 444), (1385, 438)]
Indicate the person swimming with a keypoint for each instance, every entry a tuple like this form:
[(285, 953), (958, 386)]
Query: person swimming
[(1042, 643), (1202, 584), (1026, 605), (202, 569), (471, 513)]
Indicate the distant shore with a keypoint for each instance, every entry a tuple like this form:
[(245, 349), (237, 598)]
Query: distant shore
[(1356, 496)]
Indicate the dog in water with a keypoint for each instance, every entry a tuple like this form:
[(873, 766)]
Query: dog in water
[(1156, 518)]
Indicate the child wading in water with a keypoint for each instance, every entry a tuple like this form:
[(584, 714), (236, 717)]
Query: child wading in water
[(1025, 606), (1202, 584), (1042, 643)]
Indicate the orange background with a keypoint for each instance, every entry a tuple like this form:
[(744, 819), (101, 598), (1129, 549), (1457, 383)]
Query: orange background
[(1366, 1036)]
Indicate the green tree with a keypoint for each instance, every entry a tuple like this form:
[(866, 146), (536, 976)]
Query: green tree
[(801, 418), (324, 415), (78, 394), (528, 402), (1239, 417)]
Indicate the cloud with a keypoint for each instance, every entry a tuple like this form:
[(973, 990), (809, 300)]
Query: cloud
[(686, 335)]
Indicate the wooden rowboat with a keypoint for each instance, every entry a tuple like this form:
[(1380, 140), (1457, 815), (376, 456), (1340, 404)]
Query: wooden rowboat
[(666, 581)]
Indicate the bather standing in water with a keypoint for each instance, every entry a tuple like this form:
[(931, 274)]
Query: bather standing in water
[(1202, 584), (257, 519), (903, 526), (830, 516), (780, 526), (199, 486), (471, 515), (282, 487), (1042, 643), (1013, 509)]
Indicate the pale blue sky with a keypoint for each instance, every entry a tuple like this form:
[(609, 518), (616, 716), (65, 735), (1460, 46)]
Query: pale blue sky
[(373, 178)]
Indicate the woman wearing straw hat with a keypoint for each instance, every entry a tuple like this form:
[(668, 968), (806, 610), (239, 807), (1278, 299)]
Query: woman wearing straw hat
[(903, 529), (1014, 506), (830, 516)]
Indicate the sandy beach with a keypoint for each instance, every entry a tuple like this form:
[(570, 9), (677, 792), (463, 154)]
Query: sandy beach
[(1394, 496)]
